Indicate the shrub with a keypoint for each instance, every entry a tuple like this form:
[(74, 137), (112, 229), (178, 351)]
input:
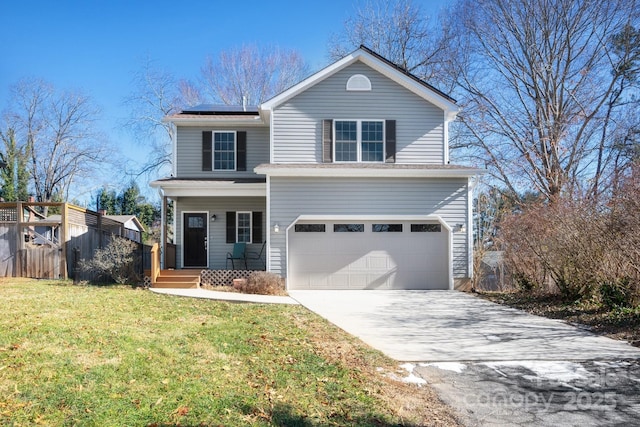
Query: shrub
[(583, 250), (263, 283), (115, 262)]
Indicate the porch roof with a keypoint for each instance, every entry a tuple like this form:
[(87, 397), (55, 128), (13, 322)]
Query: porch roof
[(215, 187)]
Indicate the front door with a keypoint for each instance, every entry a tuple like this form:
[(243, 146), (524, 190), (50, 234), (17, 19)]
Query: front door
[(195, 239)]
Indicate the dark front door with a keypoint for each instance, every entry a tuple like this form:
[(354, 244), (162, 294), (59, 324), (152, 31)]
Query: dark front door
[(195, 239)]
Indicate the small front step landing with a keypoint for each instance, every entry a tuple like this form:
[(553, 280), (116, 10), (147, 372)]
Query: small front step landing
[(178, 279)]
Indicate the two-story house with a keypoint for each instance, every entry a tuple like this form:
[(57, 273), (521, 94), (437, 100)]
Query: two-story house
[(344, 177)]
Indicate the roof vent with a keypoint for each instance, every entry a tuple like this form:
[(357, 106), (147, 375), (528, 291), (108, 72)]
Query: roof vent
[(358, 82)]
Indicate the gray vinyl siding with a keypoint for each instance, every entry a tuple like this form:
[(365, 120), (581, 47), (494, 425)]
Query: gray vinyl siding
[(297, 127), (291, 197), (189, 152), (217, 242)]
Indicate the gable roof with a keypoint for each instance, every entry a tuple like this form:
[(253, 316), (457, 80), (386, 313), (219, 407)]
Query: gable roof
[(381, 65), (126, 218)]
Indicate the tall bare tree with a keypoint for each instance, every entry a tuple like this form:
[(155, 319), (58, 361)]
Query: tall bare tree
[(157, 93), (251, 74), (57, 130), (542, 84), (401, 32)]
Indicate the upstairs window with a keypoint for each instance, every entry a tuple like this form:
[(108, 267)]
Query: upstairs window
[(224, 150), (359, 140)]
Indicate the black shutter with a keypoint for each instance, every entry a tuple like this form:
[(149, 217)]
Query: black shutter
[(327, 141), (256, 227), (207, 150), (241, 151), (231, 227), (390, 140)]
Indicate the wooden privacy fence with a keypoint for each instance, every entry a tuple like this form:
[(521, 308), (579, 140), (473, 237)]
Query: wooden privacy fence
[(44, 240)]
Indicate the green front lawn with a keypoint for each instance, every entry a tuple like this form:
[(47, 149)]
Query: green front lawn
[(107, 356)]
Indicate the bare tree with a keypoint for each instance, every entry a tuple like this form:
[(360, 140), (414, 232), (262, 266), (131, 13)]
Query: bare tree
[(541, 84), (157, 94), (251, 74), (57, 131), (400, 32)]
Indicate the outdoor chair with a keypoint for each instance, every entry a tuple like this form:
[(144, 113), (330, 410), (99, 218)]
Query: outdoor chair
[(258, 255), (239, 254)]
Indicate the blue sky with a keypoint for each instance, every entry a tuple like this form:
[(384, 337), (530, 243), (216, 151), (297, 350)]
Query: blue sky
[(97, 45)]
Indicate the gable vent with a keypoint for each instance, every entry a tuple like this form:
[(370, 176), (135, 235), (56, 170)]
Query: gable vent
[(358, 82)]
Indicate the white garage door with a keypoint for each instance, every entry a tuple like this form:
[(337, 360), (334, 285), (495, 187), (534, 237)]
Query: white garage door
[(368, 255)]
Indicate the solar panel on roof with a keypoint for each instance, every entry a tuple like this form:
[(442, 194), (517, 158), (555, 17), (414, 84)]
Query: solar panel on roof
[(213, 109)]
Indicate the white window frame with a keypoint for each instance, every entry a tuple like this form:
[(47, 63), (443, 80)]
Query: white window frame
[(359, 140), (235, 150), (250, 213)]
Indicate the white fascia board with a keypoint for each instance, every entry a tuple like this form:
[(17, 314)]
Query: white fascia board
[(368, 173), (255, 121), (217, 189), (449, 107), (309, 81)]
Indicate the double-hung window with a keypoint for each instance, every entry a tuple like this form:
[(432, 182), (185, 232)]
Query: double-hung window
[(224, 151), (243, 227), (359, 140)]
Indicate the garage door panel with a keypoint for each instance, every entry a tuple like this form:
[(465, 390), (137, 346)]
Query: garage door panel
[(368, 260)]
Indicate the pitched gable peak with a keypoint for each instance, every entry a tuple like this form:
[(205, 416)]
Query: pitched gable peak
[(378, 63)]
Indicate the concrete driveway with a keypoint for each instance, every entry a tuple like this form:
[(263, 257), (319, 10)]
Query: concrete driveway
[(495, 365), (445, 326)]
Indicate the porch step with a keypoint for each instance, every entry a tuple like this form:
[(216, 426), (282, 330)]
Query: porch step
[(182, 279)]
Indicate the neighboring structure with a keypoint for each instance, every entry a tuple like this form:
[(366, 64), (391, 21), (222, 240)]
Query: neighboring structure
[(345, 176), (133, 228)]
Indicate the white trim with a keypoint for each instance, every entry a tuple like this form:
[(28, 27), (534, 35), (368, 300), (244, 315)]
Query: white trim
[(213, 150), (206, 223), (174, 154), (358, 140), (268, 225), (358, 83), (250, 226), (195, 188), (470, 186), (271, 142), (445, 140), (397, 218), (372, 172), (450, 108), (255, 121)]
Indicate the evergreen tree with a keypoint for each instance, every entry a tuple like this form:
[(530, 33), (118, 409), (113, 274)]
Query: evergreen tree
[(107, 201), (128, 200), (14, 175)]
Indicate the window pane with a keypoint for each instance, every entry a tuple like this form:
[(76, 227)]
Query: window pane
[(196, 222), (348, 228), (224, 150), (372, 142), (243, 225), (310, 228), (426, 228), (387, 228), (346, 141)]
